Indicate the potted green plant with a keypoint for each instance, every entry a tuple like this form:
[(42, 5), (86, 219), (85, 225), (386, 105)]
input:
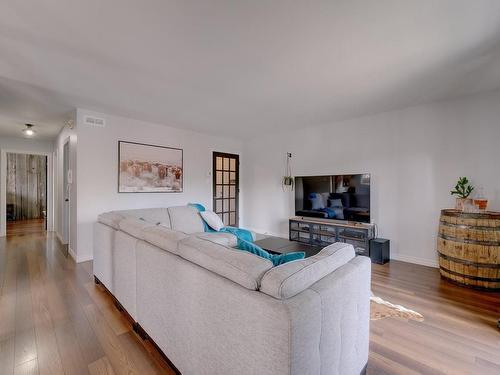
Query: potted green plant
[(462, 190), (287, 182)]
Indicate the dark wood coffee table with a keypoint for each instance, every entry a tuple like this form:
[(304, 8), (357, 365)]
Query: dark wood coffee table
[(278, 245)]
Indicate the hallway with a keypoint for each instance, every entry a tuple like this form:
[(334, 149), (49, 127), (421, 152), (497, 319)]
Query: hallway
[(26, 193)]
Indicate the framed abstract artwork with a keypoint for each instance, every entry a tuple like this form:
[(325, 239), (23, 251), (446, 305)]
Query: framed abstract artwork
[(144, 168)]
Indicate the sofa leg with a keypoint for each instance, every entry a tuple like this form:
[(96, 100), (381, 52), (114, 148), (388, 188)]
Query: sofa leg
[(96, 280)]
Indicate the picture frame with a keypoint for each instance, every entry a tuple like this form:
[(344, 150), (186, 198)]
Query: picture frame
[(148, 168)]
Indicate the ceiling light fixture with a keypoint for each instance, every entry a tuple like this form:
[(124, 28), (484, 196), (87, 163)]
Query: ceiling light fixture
[(29, 130)]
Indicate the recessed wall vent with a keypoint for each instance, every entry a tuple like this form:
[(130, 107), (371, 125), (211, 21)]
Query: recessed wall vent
[(94, 121)]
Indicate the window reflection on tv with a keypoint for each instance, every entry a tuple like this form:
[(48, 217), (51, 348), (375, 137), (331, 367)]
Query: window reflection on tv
[(336, 197)]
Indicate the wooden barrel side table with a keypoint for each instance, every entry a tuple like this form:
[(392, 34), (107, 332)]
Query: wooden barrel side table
[(469, 248)]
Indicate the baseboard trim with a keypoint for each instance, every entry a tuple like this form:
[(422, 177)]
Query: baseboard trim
[(59, 238), (84, 259), (415, 260), (72, 254), (78, 259)]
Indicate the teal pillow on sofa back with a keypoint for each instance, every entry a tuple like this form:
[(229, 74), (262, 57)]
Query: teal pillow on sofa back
[(245, 242)]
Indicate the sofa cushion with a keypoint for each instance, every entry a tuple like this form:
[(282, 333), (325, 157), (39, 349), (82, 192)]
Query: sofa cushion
[(212, 219), (151, 215), (239, 266), (186, 219), (164, 238), (135, 227), (221, 238), (111, 219), (289, 279)]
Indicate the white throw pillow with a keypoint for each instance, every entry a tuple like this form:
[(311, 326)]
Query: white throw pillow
[(212, 219)]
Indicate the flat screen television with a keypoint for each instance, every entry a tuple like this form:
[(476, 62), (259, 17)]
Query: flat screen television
[(336, 197)]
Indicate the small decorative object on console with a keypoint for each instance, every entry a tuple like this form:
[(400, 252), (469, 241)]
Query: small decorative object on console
[(480, 201), (462, 190)]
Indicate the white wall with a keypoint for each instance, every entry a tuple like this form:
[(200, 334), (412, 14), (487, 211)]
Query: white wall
[(414, 156), (26, 145), (97, 160)]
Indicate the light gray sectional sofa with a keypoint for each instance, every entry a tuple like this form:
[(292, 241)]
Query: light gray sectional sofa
[(213, 309)]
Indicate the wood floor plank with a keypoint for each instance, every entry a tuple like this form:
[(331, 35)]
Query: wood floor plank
[(458, 335), (8, 315), (25, 342), (115, 318), (145, 363), (382, 365), (25, 346), (101, 367), (72, 358), (27, 368), (7, 349), (120, 360), (49, 360), (10, 273), (87, 339)]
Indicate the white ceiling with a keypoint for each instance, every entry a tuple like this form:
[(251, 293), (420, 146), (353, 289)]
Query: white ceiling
[(241, 67)]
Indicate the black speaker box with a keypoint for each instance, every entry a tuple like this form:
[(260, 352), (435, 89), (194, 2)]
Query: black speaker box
[(380, 250)]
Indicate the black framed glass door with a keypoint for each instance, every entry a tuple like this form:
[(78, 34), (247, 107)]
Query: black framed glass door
[(226, 181)]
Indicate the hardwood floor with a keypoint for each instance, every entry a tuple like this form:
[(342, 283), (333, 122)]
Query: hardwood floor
[(20, 227), (458, 336), (55, 320)]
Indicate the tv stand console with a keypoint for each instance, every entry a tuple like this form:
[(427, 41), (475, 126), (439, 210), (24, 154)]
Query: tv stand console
[(321, 232)]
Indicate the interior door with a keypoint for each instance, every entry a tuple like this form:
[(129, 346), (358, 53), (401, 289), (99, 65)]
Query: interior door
[(66, 194), (226, 182)]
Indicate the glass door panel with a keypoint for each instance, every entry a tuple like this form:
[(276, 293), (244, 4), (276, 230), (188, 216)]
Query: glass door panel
[(226, 187)]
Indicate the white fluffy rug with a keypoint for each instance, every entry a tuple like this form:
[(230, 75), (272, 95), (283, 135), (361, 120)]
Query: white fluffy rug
[(381, 309)]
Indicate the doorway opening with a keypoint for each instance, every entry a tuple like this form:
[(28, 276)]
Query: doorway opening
[(26, 193), (226, 187), (65, 204)]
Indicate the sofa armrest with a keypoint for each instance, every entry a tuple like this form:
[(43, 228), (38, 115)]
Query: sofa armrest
[(111, 219), (289, 279)]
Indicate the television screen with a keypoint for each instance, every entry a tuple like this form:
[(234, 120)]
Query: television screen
[(337, 197)]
